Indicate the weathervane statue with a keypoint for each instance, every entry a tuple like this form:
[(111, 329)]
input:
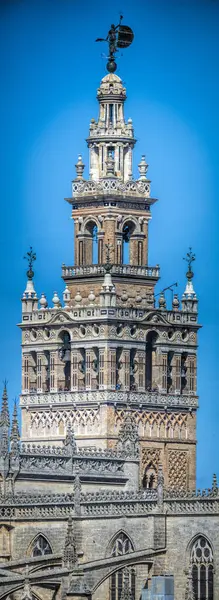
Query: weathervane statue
[(30, 257), (119, 36), (189, 258)]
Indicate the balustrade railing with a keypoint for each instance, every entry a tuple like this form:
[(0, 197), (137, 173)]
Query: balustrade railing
[(141, 271), (111, 396)]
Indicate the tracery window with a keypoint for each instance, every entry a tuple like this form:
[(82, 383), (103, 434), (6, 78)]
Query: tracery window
[(41, 546), (202, 569), (122, 545)]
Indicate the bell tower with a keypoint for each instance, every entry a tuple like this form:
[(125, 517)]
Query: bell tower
[(109, 349), (111, 207)]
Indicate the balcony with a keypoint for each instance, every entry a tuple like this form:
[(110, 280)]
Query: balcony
[(151, 399), (117, 270)]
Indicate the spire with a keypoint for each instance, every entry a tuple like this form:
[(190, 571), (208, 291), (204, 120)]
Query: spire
[(128, 439), (70, 552), (15, 435), (4, 434), (189, 291), (5, 418), (189, 298), (29, 299), (214, 484)]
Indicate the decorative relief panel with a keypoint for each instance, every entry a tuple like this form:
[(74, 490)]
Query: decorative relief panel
[(178, 469), (55, 422), (156, 424)]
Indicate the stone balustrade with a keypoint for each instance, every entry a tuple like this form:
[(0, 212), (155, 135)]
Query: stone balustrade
[(115, 186), (146, 399), (126, 270)]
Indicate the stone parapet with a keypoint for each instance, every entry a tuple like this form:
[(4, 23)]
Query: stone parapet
[(141, 399), (107, 186)]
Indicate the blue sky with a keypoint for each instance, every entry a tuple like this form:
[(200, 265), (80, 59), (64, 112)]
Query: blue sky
[(50, 69)]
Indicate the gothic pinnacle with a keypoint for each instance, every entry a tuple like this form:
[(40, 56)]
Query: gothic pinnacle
[(15, 435), (5, 418)]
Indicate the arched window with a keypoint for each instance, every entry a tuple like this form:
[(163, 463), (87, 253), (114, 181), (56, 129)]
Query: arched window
[(40, 546), (201, 561), (122, 545), (151, 361), (94, 245), (150, 477), (126, 235)]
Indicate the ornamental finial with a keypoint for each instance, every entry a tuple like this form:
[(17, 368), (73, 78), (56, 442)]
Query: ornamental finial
[(119, 36), (189, 258), (30, 257)]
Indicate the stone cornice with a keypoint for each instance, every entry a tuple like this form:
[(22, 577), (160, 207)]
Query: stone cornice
[(141, 399)]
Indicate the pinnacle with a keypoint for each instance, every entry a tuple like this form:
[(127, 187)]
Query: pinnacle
[(15, 435), (5, 418)]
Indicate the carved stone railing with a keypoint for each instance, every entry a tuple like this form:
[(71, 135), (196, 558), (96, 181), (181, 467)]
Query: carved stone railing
[(151, 399), (130, 270), (62, 460), (111, 186)]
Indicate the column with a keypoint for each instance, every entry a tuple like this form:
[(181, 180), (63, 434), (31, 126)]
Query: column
[(53, 371), (41, 372), (88, 370), (74, 370), (140, 374), (191, 374), (25, 373), (164, 372), (112, 368), (125, 370), (101, 369), (176, 373)]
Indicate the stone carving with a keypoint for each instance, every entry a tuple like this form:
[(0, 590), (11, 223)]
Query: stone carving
[(189, 594), (27, 594), (150, 455), (69, 442), (160, 487), (77, 495), (143, 398), (126, 593), (157, 424), (135, 189), (70, 552), (74, 417), (178, 469), (128, 440)]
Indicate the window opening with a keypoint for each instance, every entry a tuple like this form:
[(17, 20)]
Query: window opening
[(95, 245), (201, 561), (122, 545), (111, 113), (41, 547)]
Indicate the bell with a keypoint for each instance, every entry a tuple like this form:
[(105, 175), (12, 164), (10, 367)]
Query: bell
[(67, 356)]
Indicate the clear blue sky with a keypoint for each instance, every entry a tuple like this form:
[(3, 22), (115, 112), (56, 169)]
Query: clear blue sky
[(50, 69)]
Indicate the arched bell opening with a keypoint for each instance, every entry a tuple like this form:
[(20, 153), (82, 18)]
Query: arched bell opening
[(91, 243), (127, 232)]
